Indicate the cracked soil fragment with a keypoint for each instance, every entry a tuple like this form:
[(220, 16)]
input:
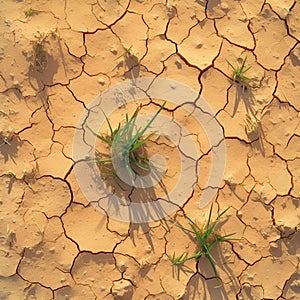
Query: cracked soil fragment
[(267, 273), (55, 255), (268, 26), (54, 243), (77, 228), (202, 45), (234, 26), (98, 271)]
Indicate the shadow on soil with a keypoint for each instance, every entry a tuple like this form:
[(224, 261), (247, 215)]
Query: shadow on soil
[(254, 128), (141, 203), (9, 146), (43, 66), (203, 284)]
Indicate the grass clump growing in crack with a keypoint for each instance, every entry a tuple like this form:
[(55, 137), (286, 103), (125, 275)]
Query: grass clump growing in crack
[(239, 71), (40, 54), (129, 142), (29, 12), (125, 56), (207, 237), (4, 141), (10, 175), (128, 51)]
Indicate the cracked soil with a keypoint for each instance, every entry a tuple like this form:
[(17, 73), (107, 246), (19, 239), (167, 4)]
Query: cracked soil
[(56, 58)]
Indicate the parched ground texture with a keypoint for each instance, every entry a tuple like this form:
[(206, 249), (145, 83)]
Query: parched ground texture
[(54, 61)]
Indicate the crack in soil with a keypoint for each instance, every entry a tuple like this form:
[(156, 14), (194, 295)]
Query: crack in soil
[(54, 243)]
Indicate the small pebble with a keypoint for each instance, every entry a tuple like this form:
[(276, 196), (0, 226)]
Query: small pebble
[(173, 86), (122, 266), (8, 22), (101, 81), (273, 245), (224, 6), (52, 250), (113, 50)]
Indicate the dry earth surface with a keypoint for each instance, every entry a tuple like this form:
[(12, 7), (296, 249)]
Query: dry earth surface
[(58, 57)]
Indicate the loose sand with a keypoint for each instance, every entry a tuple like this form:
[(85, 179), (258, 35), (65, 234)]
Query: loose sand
[(54, 244)]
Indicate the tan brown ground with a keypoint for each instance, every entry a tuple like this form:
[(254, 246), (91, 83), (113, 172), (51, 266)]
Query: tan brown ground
[(54, 245)]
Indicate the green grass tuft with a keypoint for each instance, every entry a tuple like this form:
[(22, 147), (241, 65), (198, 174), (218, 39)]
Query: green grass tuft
[(207, 238), (10, 175), (130, 141), (128, 51), (239, 71), (29, 12)]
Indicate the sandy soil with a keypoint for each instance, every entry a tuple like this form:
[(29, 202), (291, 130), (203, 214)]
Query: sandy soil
[(54, 61)]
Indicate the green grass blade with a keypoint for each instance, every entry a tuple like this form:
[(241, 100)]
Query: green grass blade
[(139, 143), (244, 78), (180, 259), (244, 71), (222, 213), (137, 163), (131, 124), (127, 51), (220, 239), (200, 239), (227, 237), (213, 265), (233, 68), (197, 255), (229, 234), (148, 137), (116, 131), (183, 228), (151, 121), (190, 220), (209, 216), (243, 64), (140, 132), (209, 227), (99, 136), (101, 160), (109, 125), (209, 230)]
